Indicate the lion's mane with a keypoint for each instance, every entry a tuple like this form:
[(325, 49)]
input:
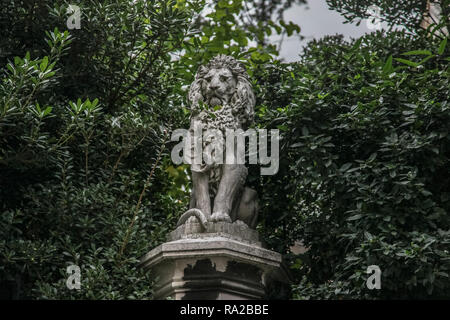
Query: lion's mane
[(242, 102)]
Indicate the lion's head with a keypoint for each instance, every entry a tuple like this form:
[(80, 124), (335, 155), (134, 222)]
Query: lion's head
[(224, 82)]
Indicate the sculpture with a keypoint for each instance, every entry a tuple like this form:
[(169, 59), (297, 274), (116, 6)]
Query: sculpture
[(215, 253), (221, 98)]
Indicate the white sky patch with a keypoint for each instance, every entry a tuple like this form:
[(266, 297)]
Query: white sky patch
[(316, 20)]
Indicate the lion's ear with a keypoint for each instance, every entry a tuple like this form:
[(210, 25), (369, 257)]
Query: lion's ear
[(201, 71)]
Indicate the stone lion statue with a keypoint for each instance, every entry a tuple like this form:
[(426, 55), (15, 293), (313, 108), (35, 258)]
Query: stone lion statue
[(221, 98)]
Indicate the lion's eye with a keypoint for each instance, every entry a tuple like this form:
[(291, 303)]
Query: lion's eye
[(223, 78), (208, 79)]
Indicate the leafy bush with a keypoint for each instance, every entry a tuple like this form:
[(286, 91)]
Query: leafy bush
[(364, 174), (84, 124), (86, 176), (85, 119)]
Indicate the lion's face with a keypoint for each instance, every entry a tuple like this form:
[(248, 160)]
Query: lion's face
[(223, 81), (218, 87)]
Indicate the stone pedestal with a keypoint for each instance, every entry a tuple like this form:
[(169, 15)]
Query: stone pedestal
[(225, 261)]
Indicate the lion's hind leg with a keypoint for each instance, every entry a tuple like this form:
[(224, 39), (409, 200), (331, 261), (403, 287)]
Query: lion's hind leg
[(247, 210)]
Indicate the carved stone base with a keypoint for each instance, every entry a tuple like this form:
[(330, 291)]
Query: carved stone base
[(220, 263), (238, 231)]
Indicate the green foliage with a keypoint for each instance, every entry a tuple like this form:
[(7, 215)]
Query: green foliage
[(83, 134), (406, 14), (236, 28), (364, 174), (85, 170), (85, 118)]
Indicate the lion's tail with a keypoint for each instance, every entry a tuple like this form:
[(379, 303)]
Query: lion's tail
[(196, 213)]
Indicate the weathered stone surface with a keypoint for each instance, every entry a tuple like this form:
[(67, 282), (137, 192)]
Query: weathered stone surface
[(221, 99), (213, 267), (236, 231), (215, 253)]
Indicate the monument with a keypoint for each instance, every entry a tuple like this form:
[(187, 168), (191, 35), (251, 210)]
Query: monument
[(215, 251)]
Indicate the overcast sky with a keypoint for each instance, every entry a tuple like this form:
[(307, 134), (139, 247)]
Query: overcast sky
[(316, 21)]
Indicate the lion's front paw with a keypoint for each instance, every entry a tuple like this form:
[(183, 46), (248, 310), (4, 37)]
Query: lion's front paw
[(192, 220), (220, 216)]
